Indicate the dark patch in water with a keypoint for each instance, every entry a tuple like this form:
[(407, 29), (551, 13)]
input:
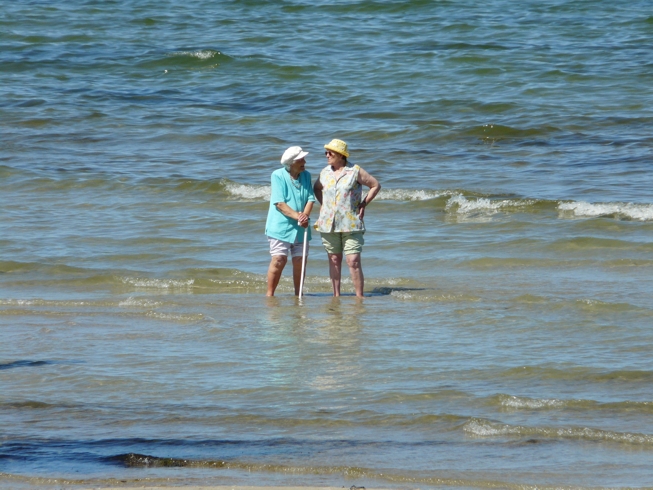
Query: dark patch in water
[(18, 364), (381, 291), (384, 291), (134, 460), (28, 404)]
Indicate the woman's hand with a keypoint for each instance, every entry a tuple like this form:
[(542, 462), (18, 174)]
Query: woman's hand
[(302, 219)]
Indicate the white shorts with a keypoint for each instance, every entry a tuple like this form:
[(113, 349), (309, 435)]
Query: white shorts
[(279, 247)]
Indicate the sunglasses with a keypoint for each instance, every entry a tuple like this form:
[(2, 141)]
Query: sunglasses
[(329, 153)]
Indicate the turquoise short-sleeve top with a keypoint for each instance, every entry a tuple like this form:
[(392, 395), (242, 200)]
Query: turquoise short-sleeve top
[(296, 194)]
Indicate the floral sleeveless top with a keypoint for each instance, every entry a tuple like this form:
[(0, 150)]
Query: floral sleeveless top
[(340, 200)]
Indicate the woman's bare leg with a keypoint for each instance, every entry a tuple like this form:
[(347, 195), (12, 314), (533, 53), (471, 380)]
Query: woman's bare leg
[(356, 272), (297, 273), (277, 263), (335, 272)]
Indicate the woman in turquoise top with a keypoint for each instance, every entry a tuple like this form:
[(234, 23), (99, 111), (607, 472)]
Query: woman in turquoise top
[(339, 189), (291, 202)]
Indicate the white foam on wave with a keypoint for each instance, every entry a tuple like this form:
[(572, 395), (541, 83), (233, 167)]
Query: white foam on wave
[(43, 302), (139, 303), (157, 283), (249, 191), (582, 209), (404, 295), (262, 192), (517, 403), (175, 317), (429, 296), (484, 428), (410, 195), (22, 302), (200, 54), (461, 205)]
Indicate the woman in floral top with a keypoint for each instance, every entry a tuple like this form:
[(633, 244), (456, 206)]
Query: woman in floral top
[(339, 189)]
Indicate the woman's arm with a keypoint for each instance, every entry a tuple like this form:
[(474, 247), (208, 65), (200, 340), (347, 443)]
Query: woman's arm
[(317, 190), (308, 208), (366, 179), (301, 217), (307, 213)]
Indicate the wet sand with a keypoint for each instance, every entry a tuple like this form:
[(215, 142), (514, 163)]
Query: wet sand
[(225, 487)]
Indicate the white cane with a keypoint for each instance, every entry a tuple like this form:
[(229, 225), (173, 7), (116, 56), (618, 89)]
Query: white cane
[(301, 282)]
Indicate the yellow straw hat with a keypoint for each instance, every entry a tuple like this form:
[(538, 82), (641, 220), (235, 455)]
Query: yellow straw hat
[(338, 146)]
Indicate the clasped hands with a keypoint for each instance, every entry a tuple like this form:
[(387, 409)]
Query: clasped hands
[(302, 219)]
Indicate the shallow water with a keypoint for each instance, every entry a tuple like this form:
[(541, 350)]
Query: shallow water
[(504, 341)]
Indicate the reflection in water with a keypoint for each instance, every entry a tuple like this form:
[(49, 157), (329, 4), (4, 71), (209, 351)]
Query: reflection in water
[(338, 330), (313, 344)]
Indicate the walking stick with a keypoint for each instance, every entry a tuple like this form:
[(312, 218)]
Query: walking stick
[(301, 282)]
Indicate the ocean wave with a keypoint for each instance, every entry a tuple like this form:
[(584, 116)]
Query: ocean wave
[(202, 54), (519, 262), (523, 403), (583, 304), (191, 59), (628, 211), (28, 404), (578, 374), (605, 306), (126, 303), (592, 242), (249, 192), (45, 302), (262, 192), (458, 204), (10, 266), (392, 397), (184, 280), (518, 403), (485, 428), (430, 296), (182, 318), (468, 205), (491, 132), (149, 283), (410, 194), (139, 303), (461, 205)]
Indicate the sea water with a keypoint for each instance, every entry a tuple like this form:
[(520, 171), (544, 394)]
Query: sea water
[(505, 340)]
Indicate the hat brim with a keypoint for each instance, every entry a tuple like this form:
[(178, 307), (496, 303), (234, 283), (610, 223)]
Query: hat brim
[(300, 156), (338, 151)]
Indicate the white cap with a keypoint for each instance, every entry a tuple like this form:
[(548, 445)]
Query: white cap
[(293, 154)]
